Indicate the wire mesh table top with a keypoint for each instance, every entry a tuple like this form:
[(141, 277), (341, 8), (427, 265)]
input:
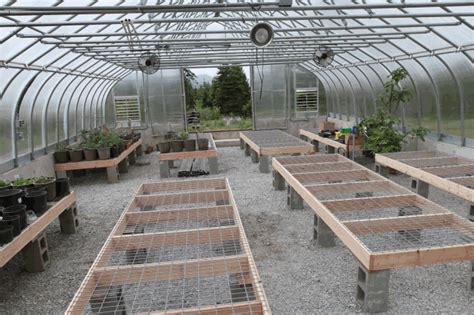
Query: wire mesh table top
[(178, 247), (274, 138), (384, 224)]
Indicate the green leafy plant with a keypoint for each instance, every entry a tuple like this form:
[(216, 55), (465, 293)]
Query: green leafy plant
[(22, 181), (61, 147), (74, 147), (183, 135), (379, 129), (41, 179), (4, 183)]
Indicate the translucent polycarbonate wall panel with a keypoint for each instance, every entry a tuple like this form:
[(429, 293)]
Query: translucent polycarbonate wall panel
[(462, 68), (110, 111), (164, 94), (76, 111), (61, 106), (301, 79), (270, 98), (449, 98)]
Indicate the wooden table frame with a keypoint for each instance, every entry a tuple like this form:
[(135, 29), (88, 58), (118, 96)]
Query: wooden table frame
[(444, 171), (114, 166), (375, 264), (259, 153), (331, 145), (166, 159), (170, 195), (66, 210)]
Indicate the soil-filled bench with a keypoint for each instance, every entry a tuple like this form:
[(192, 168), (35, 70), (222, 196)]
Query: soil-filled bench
[(444, 171), (263, 143), (32, 240), (383, 224), (331, 145), (179, 247), (113, 166), (167, 159)]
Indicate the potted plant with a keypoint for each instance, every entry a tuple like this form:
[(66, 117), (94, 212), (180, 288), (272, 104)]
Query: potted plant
[(115, 143), (47, 182), (22, 183), (103, 146), (188, 144), (61, 154), (75, 152), (4, 185), (89, 143), (380, 128), (177, 144), (164, 146)]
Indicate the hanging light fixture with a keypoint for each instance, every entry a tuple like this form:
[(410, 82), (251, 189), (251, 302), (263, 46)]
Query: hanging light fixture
[(261, 34)]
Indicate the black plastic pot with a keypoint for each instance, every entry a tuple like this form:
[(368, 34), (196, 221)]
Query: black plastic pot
[(177, 145), (50, 188), (114, 151), (6, 234), (203, 144), (5, 187), (76, 155), (19, 210), (12, 220), (24, 187), (36, 201), (170, 135), (62, 187), (61, 156), (90, 154), (189, 145), (104, 153), (122, 147), (1, 210), (10, 197), (164, 147)]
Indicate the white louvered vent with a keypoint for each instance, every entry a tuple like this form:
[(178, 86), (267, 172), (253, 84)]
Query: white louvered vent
[(127, 109), (307, 100)]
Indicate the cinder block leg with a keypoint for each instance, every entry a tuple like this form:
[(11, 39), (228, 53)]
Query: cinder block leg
[(171, 164), (36, 254), (139, 150), (471, 276), (278, 181), (329, 149), (123, 166), (410, 235), (108, 301), (382, 170), (242, 144), (364, 194), (254, 156), (112, 174), (315, 143), (373, 289), (132, 158), (422, 188), (68, 220), (247, 150), (263, 164), (471, 213), (61, 174), (322, 234), (222, 202), (136, 255), (213, 166), (164, 169), (294, 199)]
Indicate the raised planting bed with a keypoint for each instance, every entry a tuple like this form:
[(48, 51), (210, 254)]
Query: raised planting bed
[(331, 145), (114, 166), (264, 143), (444, 171), (32, 240), (178, 248), (383, 224), (167, 159)]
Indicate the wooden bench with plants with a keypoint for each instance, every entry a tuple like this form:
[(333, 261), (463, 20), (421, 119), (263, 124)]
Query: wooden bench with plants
[(99, 149), (187, 146), (27, 207)]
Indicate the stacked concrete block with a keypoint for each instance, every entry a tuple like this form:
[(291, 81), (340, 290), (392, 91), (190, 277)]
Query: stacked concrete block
[(422, 188), (36, 254), (373, 289), (278, 181), (322, 234), (294, 200), (68, 220)]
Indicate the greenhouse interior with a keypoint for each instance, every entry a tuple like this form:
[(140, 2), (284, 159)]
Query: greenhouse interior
[(236, 157)]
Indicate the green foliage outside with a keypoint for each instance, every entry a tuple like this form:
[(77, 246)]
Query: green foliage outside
[(227, 95), (379, 129)]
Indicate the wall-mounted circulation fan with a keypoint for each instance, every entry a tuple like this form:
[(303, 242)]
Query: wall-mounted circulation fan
[(261, 35), (149, 63), (323, 56)]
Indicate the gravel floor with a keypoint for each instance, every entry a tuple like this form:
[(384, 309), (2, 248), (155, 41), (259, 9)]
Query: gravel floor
[(298, 277)]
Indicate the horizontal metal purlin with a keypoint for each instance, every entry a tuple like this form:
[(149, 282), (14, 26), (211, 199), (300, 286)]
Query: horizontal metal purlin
[(240, 19), (289, 30), (216, 7)]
